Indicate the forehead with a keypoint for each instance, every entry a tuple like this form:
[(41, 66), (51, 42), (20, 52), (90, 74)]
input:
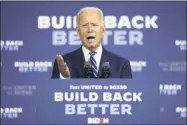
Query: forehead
[(90, 15)]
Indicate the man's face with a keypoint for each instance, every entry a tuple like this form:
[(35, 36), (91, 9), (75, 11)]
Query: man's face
[(90, 29)]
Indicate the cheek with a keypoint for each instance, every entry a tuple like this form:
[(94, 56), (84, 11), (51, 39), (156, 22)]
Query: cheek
[(100, 35), (82, 35)]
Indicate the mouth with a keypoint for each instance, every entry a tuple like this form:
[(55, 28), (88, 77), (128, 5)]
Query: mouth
[(90, 37)]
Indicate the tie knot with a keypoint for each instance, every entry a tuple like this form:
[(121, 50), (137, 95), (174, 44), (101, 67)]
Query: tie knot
[(92, 53)]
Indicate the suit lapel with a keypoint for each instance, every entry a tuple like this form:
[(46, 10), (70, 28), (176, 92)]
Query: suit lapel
[(104, 58), (79, 65)]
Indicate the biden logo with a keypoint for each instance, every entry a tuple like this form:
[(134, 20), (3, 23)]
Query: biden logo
[(98, 120)]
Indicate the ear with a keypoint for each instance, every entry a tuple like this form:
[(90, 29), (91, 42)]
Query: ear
[(77, 29), (104, 28)]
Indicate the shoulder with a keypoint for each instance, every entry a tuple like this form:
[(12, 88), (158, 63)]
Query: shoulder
[(72, 55), (119, 65), (115, 57)]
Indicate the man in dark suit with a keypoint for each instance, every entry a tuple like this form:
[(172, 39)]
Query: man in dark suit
[(90, 28)]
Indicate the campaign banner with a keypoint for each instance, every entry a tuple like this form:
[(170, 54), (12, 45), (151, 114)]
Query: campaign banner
[(112, 101)]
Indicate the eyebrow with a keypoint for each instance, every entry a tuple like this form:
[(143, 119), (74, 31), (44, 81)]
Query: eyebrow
[(89, 22)]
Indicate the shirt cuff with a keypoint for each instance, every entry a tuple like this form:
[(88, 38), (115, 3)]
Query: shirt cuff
[(62, 77)]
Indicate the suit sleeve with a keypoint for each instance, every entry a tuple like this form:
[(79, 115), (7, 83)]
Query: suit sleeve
[(55, 72), (126, 70)]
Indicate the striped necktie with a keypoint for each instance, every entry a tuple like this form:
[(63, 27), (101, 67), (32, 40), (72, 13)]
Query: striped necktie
[(94, 64)]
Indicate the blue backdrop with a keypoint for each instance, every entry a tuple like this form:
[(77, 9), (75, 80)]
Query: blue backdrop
[(152, 35)]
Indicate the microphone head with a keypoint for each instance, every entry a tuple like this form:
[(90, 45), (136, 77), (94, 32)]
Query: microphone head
[(106, 70), (88, 73), (87, 64), (106, 65)]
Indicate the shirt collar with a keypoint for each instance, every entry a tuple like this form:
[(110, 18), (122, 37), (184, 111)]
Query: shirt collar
[(87, 51)]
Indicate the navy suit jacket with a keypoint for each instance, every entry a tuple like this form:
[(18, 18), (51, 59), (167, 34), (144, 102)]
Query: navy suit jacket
[(119, 67)]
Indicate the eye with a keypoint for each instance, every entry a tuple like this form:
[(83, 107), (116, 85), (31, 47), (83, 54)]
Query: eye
[(84, 25), (94, 24)]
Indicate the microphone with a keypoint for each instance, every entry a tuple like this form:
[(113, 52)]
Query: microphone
[(88, 73), (105, 70)]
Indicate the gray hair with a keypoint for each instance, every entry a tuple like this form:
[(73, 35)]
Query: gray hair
[(86, 9)]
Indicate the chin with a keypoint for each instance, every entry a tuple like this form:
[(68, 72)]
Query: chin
[(91, 46)]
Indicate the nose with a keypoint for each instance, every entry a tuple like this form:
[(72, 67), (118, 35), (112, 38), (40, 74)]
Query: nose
[(90, 28)]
